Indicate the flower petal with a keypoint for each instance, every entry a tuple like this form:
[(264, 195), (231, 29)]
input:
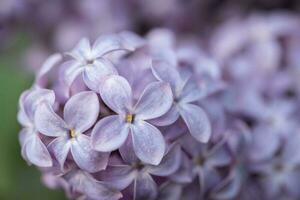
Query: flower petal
[(145, 188), (48, 122), (155, 101), (85, 157), (24, 135), (119, 177), (264, 144), (170, 191), (106, 44), (131, 40), (191, 91), (81, 111), (60, 147), (35, 97), (291, 181), (169, 164), (70, 71), (184, 174), (37, 153), (116, 93), (127, 151), (164, 71), (23, 118), (229, 188), (83, 182), (109, 134), (290, 149), (220, 158), (47, 66), (168, 118), (82, 50), (148, 143), (196, 121), (93, 75)]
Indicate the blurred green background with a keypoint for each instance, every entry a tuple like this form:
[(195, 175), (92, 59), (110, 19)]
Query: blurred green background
[(18, 181)]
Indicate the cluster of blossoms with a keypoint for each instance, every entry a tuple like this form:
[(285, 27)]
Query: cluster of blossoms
[(163, 117), (97, 119)]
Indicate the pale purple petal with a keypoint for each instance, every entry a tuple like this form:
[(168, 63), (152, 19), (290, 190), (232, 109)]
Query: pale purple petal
[(191, 92), (48, 122), (264, 144), (119, 177), (229, 187), (60, 148), (35, 97), (23, 118), (164, 71), (144, 187), (168, 118), (82, 50), (70, 71), (169, 164), (131, 40), (48, 65), (292, 181), (219, 158), (83, 182), (24, 135), (148, 143), (127, 151), (184, 173), (155, 101), (36, 152), (116, 93), (196, 121), (94, 74), (81, 111), (170, 191), (109, 134), (85, 157), (290, 151), (106, 44)]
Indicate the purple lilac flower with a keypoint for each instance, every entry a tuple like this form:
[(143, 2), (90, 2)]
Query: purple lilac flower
[(185, 92), (182, 117), (206, 160), (33, 149), (140, 174), (82, 185), (280, 175), (111, 132), (91, 62), (80, 113)]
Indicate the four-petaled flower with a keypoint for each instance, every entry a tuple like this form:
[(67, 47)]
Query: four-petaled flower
[(88, 187), (80, 113), (185, 92), (33, 149), (111, 132), (140, 174), (91, 61)]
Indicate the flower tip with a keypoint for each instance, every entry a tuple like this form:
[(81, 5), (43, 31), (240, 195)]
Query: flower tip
[(204, 138), (44, 164)]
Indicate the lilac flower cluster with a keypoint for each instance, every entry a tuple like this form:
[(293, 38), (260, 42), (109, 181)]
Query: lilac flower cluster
[(164, 117), (95, 116)]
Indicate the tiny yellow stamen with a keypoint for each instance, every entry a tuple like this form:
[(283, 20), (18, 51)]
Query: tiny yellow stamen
[(129, 118), (72, 133)]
